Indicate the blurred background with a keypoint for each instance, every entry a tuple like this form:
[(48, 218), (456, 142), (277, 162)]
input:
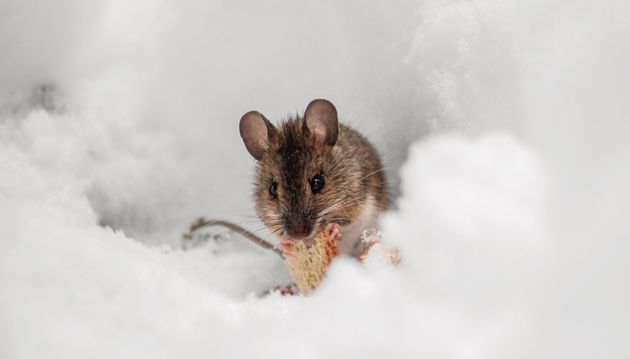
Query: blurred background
[(503, 126)]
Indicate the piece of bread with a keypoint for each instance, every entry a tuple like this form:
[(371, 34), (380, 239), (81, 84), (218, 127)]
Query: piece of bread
[(308, 265)]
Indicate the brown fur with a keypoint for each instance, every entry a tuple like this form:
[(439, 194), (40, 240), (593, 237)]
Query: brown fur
[(351, 168)]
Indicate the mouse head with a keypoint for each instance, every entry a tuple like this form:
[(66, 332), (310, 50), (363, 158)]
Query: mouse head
[(297, 175)]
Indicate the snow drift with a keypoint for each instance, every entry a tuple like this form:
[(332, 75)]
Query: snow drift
[(506, 122)]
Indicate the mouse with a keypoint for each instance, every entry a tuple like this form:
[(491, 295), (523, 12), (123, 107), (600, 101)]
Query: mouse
[(315, 174)]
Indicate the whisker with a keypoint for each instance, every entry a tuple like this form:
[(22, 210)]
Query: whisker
[(345, 204), (372, 173)]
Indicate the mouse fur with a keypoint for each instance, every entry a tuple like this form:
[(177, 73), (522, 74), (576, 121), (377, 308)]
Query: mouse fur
[(289, 157)]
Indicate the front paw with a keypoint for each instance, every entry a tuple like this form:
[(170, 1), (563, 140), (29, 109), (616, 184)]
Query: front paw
[(333, 231), (287, 246)]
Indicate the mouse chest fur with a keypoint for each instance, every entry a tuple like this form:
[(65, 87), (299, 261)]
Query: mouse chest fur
[(351, 243)]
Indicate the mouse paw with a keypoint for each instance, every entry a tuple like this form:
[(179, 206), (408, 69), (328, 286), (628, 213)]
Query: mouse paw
[(287, 246), (333, 231)]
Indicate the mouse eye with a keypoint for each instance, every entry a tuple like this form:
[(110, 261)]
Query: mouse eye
[(273, 190), (317, 183)]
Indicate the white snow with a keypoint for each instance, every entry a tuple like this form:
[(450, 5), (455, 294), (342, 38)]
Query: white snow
[(505, 121)]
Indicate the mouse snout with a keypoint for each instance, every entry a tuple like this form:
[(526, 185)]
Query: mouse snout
[(297, 227)]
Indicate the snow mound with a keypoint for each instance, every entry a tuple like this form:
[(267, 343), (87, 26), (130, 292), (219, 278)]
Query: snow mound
[(78, 289)]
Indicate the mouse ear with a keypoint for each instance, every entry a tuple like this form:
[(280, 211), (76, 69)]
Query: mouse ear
[(256, 132), (320, 119)]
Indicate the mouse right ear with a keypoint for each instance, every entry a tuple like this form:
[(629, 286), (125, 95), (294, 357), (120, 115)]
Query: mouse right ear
[(320, 119), (256, 132)]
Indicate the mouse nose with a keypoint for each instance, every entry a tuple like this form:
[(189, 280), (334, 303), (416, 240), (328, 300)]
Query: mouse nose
[(296, 227)]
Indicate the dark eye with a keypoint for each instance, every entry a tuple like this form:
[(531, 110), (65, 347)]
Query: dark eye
[(273, 190), (317, 183)]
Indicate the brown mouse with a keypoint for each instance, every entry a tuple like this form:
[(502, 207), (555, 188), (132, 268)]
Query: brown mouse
[(315, 174)]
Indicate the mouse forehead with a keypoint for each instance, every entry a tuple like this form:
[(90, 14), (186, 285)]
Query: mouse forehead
[(293, 155), (294, 152)]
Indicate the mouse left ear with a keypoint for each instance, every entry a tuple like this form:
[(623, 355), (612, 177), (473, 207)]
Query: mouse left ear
[(320, 119), (256, 132)]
